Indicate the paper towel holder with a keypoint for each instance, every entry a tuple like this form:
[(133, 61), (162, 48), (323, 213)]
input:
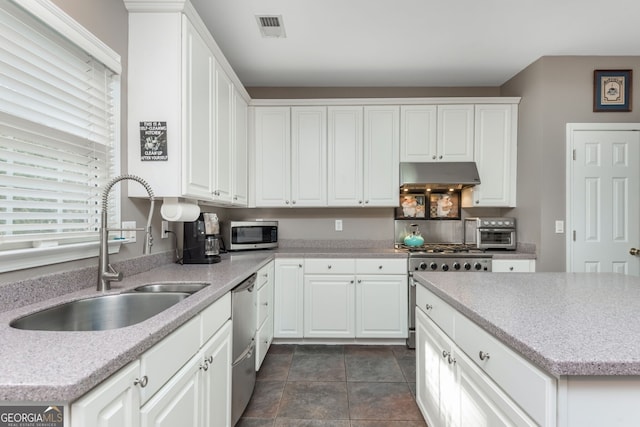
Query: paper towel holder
[(176, 211)]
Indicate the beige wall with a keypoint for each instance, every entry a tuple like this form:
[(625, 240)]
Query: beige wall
[(555, 91)]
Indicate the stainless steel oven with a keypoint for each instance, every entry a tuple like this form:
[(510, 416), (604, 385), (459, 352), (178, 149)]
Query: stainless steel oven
[(490, 233), (454, 258)]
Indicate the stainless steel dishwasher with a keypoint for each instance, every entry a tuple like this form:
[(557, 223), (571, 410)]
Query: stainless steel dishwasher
[(243, 376)]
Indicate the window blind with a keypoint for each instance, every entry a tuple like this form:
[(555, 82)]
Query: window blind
[(58, 133)]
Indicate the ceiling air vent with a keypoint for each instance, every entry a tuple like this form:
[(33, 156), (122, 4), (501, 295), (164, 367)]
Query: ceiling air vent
[(271, 25)]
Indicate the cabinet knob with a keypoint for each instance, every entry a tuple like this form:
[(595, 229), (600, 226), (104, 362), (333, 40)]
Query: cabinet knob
[(379, 267), (428, 307), (451, 360), (483, 356), (329, 266), (286, 202), (440, 157), (433, 157), (359, 202), (359, 280), (477, 202), (351, 281), (205, 366), (300, 265), (266, 304), (511, 268), (366, 202), (446, 354), (293, 202), (142, 382)]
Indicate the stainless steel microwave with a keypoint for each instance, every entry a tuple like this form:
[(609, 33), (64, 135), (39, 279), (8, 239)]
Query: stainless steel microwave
[(491, 233), (243, 235)]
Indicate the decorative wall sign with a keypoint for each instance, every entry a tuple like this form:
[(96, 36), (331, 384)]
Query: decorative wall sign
[(153, 141), (612, 90)]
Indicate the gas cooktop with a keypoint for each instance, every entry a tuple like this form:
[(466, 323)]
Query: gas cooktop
[(447, 257), (440, 248)]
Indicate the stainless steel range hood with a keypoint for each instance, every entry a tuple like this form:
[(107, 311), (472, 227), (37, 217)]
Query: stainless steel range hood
[(438, 176)]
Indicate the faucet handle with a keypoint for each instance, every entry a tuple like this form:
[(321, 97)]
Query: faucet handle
[(112, 274)]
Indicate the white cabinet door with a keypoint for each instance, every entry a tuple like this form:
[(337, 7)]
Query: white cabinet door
[(114, 403), (455, 133), (329, 306), (199, 65), (381, 306), (345, 151), (513, 265), (215, 370), (178, 402), (288, 298), (222, 166), (418, 133), (495, 155), (381, 164), (240, 155), (273, 156), (308, 156), (436, 383)]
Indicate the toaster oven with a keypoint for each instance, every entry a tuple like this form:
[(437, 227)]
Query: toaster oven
[(490, 233)]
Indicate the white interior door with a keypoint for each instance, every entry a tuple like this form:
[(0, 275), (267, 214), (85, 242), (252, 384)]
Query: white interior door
[(604, 209)]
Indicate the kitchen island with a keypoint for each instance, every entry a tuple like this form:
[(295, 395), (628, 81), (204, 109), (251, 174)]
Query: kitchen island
[(565, 346)]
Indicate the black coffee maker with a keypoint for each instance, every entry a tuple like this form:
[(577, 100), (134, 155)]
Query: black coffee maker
[(202, 240)]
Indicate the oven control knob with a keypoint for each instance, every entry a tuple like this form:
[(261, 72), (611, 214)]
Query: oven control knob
[(467, 266), (423, 266), (477, 266), (433, 266), (445, 267), (456, 265)]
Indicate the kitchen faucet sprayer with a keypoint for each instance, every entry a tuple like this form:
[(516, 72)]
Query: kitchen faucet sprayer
[(107, 273)]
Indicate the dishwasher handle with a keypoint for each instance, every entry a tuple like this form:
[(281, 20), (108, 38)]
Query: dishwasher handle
[(247, 353), (246, 285)]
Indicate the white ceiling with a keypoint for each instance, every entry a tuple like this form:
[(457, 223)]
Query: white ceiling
[(414, 42)]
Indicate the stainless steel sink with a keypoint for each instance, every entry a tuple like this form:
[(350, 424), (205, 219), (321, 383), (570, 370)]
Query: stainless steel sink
[(187, 287), (100, 313)]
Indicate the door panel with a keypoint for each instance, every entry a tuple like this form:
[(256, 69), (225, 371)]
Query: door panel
[(604, 201)]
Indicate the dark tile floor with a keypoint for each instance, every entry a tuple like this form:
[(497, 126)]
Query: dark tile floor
[(335, 386)]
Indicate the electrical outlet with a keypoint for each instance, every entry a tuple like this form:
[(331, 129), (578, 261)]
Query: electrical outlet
[(165, 230), (559, 226), (129, 235), (338, 225)]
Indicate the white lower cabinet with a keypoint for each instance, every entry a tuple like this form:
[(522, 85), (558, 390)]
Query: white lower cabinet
[(355, 298), (288, 298), (264, 319), (465, 377), (184, 380), (115, 403), (513, 265)]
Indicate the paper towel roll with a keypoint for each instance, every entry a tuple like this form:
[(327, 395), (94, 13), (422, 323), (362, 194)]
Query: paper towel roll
[(179, 211)]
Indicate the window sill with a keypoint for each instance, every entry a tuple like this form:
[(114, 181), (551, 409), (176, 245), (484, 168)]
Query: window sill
[(20, 259)]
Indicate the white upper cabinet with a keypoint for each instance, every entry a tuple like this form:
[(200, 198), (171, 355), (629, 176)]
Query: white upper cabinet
[(240, 153), (418, 133), (345, 147), (291, 147), (273, 154), (308, 156), (437, 133), (495, 154), (179, 79), (363, 165), (455, 133)]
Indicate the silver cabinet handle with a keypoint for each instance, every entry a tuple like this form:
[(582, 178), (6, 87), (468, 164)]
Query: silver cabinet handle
[(142, 382), (483, 356)]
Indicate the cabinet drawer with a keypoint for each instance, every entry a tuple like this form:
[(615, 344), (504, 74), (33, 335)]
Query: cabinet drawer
[(528, 386), (214, 316), (264, 337), (329, 266), (513, 265), (164, 359), (381, 266), (438, 310), (265, 275), (265, 302)]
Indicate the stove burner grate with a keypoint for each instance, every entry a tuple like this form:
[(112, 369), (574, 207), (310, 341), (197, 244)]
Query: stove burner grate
[(440, 248)]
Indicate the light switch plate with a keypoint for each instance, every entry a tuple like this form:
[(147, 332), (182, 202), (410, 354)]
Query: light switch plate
[(165, 230), (338, 225), (559, 226)]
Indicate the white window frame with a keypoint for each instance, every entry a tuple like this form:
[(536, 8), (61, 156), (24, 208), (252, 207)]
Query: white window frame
[(45, 254)]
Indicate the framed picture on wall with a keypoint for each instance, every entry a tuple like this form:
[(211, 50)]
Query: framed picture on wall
[(612, 90), (444, 205)]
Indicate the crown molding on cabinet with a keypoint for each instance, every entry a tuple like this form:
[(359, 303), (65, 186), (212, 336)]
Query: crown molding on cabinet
[(384, 101)]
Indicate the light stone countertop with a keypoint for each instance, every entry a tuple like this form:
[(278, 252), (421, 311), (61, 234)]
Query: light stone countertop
[(60, 367), (566, 323)]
